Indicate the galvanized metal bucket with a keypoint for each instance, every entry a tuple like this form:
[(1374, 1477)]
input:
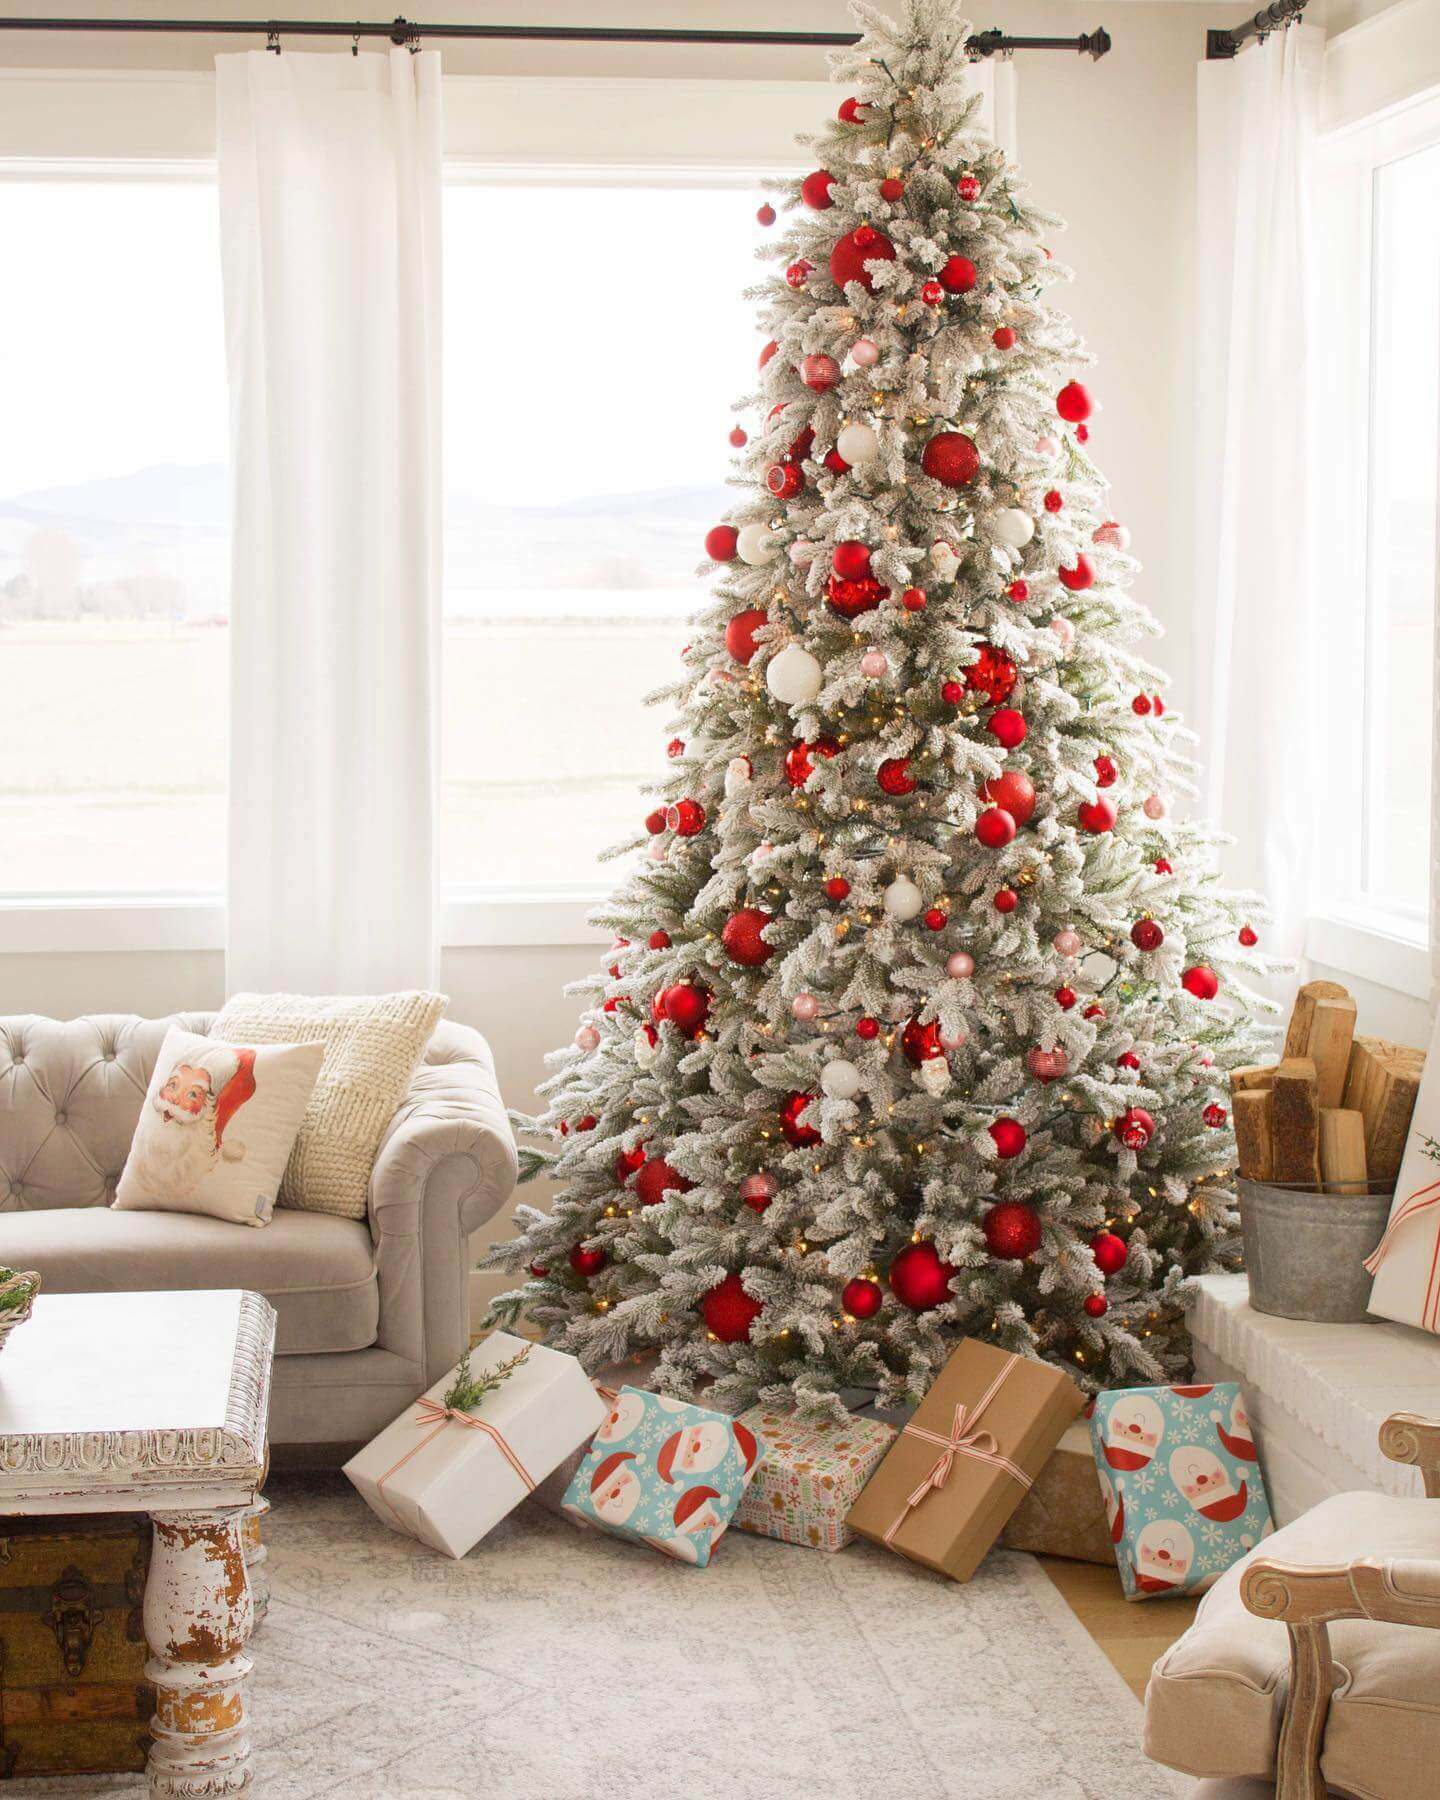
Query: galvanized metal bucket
[(1305, 1249)]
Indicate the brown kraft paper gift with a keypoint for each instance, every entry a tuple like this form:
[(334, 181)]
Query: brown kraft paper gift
[(966, 1459)]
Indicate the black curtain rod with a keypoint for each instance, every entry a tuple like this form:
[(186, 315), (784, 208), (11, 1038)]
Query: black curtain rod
[(1094, 44), (1222, 44)]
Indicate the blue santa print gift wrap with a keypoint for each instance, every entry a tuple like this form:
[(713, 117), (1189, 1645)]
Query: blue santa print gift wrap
[(1181, 1483), (665, 1473)]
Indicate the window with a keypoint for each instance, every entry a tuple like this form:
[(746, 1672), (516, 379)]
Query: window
[(114, 540), (586, 455)]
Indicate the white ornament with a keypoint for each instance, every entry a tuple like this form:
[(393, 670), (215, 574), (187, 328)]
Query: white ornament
[(902, 898), (794, 676), (587, 1038), (646, 1048), (659, 849), (756, 544), (1047, 446), (858, 444), (1063, 630), (943, 560), (934, 1076), (802, 553), (1012, 527), (840, 1080), (737, 776)]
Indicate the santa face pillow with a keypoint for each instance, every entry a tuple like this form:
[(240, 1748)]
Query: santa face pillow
[(1181, 1482), (217, 1127), (666, 1473)]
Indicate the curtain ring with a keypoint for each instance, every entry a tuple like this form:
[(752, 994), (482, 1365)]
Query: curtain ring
[(412, 42), (272, 39), (355, 42)]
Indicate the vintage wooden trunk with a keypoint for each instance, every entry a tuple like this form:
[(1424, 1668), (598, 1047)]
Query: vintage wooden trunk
[(73, 1694)]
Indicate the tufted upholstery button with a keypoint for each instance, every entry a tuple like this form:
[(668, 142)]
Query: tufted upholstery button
[(59, 1118)]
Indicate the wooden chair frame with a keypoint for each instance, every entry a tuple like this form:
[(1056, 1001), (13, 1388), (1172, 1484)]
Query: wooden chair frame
[(1306, 1601)]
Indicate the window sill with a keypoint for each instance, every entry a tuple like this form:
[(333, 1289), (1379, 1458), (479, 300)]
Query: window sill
[(1388, 949)]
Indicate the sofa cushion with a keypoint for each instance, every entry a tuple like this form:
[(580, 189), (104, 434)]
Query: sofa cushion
[(1214, 1701), (316, 1271)]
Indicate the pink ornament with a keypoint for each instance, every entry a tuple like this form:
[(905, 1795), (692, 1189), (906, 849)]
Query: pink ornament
[(761, 851), (805, 1007), (659, 849), (865, 353), (1117, 536), (1064, 632), (819, 371), (1048, 1065), (1067, 942), (1047, 446), (874, 664), (587, 1038), (954, 1040), (758, 1187), (1154, 806), (802, 553), (961, 965)]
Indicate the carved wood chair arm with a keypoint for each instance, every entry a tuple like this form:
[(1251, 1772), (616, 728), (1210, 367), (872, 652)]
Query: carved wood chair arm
[(1390, 1590), (1409, 1438)]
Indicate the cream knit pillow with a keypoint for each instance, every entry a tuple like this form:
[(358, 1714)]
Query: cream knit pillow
[(372, 1045)]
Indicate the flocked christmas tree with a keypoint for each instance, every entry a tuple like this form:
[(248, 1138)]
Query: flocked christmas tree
[(922, 1006)]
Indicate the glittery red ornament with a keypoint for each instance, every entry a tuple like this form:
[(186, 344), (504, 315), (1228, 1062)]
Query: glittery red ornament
[(968, 187), (932, 293), (798, 272), (1105, 771), (1109, 1251), (686, 818), (851, 559), (1065, 998), (740, 632), (675, 748), (951, 459), (1215, 1115), (799, 758), (1010, 1137), (913, 599), (655, 821), (852, 252), (1006, 900), (1146, 934), (851, 598), (1008, 728), (958, 275), (687, 1006), (815, 189), (758, 1190), (819, 372), (992, 674), (1135, 1128), (918, 1278), (861, 1299), (796, 1131), (1073, 403), (588, 1262), (785, 480), (1201, 981), (837, 888), (741, 937), (1248, 936), (1014, 793), (994, 828), (1096, 1306), (1097, 815), (627, 1162), (1127, 1060), (658, 940), (921, 1042), (657, 1179), (802, 444), (1012, 1230), (894, 778), (867, 1028), (1140, 704), (1080, 577), (721, 542), (729, 1312), (892, 188), (1054, 500)]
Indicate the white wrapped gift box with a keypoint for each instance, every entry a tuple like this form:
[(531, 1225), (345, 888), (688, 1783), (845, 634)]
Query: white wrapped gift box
[(447, 1478), (1406, 1263)]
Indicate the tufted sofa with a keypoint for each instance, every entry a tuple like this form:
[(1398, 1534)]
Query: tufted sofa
[(369, 1312)]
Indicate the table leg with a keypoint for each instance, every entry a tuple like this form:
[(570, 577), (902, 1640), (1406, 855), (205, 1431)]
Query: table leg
[(252, 1522), (198, 1619)]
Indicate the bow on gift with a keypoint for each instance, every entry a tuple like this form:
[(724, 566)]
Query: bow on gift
[(964, 1439), (1422, 1200), (434, 1414)]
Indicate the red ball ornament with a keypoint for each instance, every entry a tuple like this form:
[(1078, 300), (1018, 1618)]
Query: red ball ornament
[(588, 1262), (1096, 1306), (1018, 591), (993, 675), (1201, 981), (1054, 501), (729, 1312), (1065, 998), (837, 888), (921, 1043), (968, 187), (1073, 403), (952, 692), (1082, 434), (1012, 1230), (1215, 1115), (657, 1179), (1003, 338), (588, 1123), (851, 559), (627, 1162), (1105, 772), (815, 189), (892, 188), (798, 273), (913, 600), (932, 293), (798, 764), (739, 437), (797, 1132), (995, 828), (675, 748), (720, 543), (1158, 704), (851, 598), (1093, 1011), (936, 919), (1097, 815), (867, 1029), (1163, 866), (801, 443), (740, 632), (539, 1270), (742, 939), (1248, 936), (1006, 900), (919, 1279), (1010, 1138), (658, 940), (1008, 728), (770, 349), (835, 463), (687, 1006), (1135, 1128), (1109, 1251), (1127, 1060), (861, 1299), (785, 480), (686, 817), (852, 111), (951, 459), (958, 275), (894, 777), (655, 821), (1146, 934), (819, 372), (1014, 793), (765, 215), (1140, 705), (852, 252), (1080, 577), (757, 1191)]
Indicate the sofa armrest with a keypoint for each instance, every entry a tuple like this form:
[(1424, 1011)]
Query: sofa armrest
[(446, 1164), (1409, 1438)]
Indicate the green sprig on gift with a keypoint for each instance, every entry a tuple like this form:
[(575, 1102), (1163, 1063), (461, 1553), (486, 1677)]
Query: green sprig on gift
[(17, 1290), (467, 1390)]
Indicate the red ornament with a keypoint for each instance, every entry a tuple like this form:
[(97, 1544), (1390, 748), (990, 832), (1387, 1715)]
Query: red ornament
[(657, 1179), (1248, 936), (627, 1162), (995, 828), (852, 111), (921, 1043), (588, 1123), (836, 463), (1018, 591), (1214, 1115), (687, 1006), (770, 349), (798, 766), (740, 632), (1127, 1060), (800, 444), (686, 817), (729, 1312), (892, 188), (958, 275), (1201, 981), (1140, 704), (1012, 1230), (1146, 934), (1158, 704), (539, 1271), (837, 888), (1096, 1306), (1065, 998), (765, 215), (741, 937), (1093, 1011), (1073, 403), (1097, 815), (894, 777), (867, 1028), (851, 559), (936, 919), (757, 1191), (795, 1131), (1010, 1137), (588, 1262), (1008, 728), (739, 437), (861, 1299), (819, 372), (952, 692), (932, 293), (652, 1036), (1080, 577), (1109, 1251), (852, 252), (913, 600), (951, 459), (968, 187), (992, 674), (675, 748), (1014, 793), (1003, 338), (919, 1279), (1006, 900), (785, 480), (1135, 1128), (720, 543), (851, 598), (798, 272), (658, 940), (815, 189), (1082, 434), (1163, 866), (1105, 772), (655, 821)]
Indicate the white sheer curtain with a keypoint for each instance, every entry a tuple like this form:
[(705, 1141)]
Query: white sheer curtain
[(1257, 610), (330, 231)]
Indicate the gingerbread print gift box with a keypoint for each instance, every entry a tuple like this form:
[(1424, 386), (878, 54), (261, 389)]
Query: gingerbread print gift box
[(665, 1473), (810, 1477), (1181, 1482)]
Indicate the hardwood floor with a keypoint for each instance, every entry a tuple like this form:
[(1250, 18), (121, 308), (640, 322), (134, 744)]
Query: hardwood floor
[(1131, 1633)]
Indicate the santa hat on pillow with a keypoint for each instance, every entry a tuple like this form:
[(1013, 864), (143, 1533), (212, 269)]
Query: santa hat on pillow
[(232, 1081)]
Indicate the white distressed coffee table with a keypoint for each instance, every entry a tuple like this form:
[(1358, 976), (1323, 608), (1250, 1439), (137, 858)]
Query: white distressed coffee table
[(156, 1403)]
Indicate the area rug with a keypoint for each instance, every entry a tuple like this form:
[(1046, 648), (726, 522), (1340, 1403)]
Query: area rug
[(557, 1664)]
